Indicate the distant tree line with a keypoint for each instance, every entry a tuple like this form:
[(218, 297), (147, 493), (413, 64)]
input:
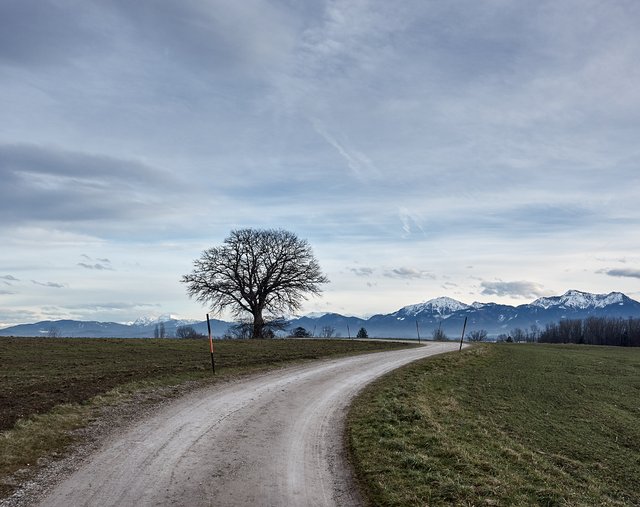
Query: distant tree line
[(594, 331), (279, 328), (519, 335), (188, 332), (244, 329)]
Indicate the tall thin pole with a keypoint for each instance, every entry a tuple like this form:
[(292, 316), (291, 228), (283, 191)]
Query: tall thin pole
[(418, 330), (462, 337), (348, 332), (213, 362)]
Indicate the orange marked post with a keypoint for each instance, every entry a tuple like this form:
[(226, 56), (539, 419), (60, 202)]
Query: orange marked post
[(213, 363)]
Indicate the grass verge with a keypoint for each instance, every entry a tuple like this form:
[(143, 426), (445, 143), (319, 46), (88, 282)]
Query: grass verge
[(50, 388), (503, 425)]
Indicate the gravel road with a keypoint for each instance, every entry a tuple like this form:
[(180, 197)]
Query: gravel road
[(274, 439)]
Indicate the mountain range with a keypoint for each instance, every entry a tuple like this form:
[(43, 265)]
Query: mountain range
[(443, 312)]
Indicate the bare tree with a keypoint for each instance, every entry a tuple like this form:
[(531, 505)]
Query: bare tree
[(256, 271), (239, 331), (534, 333), (327, 331), (518, 335), (188, 332), (439, 335), (478, 335)]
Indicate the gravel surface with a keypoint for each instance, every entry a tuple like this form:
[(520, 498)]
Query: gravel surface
[(269, 439)]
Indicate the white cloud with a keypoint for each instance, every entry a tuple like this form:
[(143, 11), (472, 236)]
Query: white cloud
[(519, 289), (358, 162)]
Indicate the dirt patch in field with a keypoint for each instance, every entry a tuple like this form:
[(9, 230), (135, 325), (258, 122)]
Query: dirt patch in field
[(28, 484), (37, 374), (58, 378)]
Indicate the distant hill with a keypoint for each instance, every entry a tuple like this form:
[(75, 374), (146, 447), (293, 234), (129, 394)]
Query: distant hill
[(443, 312), (142, 328)]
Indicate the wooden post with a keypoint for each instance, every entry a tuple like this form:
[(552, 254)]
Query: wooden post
[(213, 363), (418, 330), (462, 337)]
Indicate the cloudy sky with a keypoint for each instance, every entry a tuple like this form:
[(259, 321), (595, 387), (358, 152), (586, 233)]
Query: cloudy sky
[(484, 150)]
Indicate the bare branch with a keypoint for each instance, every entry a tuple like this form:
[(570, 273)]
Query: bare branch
[(254, 271)]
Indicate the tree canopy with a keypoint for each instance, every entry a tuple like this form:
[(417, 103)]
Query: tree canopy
[(256, 271), (300, 332)]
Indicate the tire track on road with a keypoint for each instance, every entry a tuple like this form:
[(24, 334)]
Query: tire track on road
[(273, 439)]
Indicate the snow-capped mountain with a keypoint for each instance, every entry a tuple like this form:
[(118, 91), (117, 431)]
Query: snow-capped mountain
[(442, 313), (439, 306), (581, 300)]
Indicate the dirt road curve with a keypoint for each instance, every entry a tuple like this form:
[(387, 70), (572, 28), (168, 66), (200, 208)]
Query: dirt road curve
[(274, 439)]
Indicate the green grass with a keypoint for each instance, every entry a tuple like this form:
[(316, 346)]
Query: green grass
[(503, 425), (51, 387)]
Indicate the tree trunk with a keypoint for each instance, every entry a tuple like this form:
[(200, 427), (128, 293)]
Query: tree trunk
[(258, 324)]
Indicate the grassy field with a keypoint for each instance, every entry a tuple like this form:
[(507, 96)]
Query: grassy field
[(51, 387), (503, 425)]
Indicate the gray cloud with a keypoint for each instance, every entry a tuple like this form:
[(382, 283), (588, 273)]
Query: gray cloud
[(36, 32), (362, 271), (49, 284), (96, 266), (214, 35), (6, 292), (520, 289), (9, 278), (49, 184), (409, 273), (628, 273), (102, 264)]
